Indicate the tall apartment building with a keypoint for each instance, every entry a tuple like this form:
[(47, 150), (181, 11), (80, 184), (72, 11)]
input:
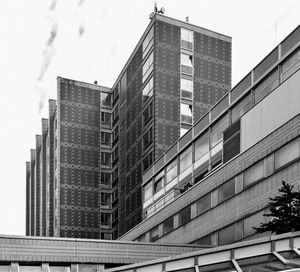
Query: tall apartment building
[(175, 74), (100, 141), (213, 185)]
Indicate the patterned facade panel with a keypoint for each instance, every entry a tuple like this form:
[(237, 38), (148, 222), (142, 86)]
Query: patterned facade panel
[(212, 75), (167, 85), (78, 128)]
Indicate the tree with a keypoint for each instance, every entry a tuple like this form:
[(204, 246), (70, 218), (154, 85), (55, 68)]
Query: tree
[(284, 211)]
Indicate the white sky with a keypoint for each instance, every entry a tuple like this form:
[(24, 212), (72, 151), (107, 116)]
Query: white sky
[(30, 60)]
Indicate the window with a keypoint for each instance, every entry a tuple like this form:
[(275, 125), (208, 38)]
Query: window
[(186, 64), (226, 190), (148, 138), (115, 113), (123, 86), (254, 173), (203, 204), (148, 113), (201, 146), (105, 158), (148, 90), (184, 215), (205, 240), (227, 235), (185, 159), (168, 225), (266, 86), (154, 234), (105, 218), (253, 221), (105, 99), (105, 138), (218, 129), (148, 42), (186, 112), (105, 178), (142, 238), (187, 39), (231, 145), (241, 107), (148, 67), (183, 131), (115, 174), (287, 153), (158, 182), (171, 171), (105, 199), (147, 162), (115, 154), (105, 117), (148, 191), (115, 133), (186, 60), (186, 88)]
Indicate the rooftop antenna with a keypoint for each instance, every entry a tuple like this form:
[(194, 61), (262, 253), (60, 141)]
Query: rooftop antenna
[(156, 11)]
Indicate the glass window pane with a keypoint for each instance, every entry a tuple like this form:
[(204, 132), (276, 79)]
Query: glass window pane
[(148, 90), (168, 225), (201, 146), (171, 171), (253, 221), (287, 154), (183, 131), (226, 190), (187, 35), (158, 182), (148, 67), (203, 204), (205, 240), (27, 268), (186, 111), (105, 138), (148, 41), (105, 99), (254, 173), (184, 215), (87, 268), (218, 129), (186, 84), (186, 159), (154, 234), (227, 235), (59, 269), (219, 267), (187, 60), (147, 191)]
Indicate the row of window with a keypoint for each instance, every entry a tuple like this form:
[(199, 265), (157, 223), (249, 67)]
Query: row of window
[(262, 169), (288, 67), (236, 231), (186, 81), (205, 153)]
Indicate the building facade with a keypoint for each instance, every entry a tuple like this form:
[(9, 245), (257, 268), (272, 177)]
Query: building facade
[(175, 74), (100, 141), (213, 185)]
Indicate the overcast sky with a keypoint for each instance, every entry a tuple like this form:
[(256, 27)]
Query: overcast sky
[(91, 40)]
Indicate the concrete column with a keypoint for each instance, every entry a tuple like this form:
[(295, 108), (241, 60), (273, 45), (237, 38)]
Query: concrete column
[(45, 267), (74, 267), (14, 267)]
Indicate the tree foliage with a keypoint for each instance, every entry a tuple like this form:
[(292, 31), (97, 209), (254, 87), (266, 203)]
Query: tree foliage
[(284, 211)]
